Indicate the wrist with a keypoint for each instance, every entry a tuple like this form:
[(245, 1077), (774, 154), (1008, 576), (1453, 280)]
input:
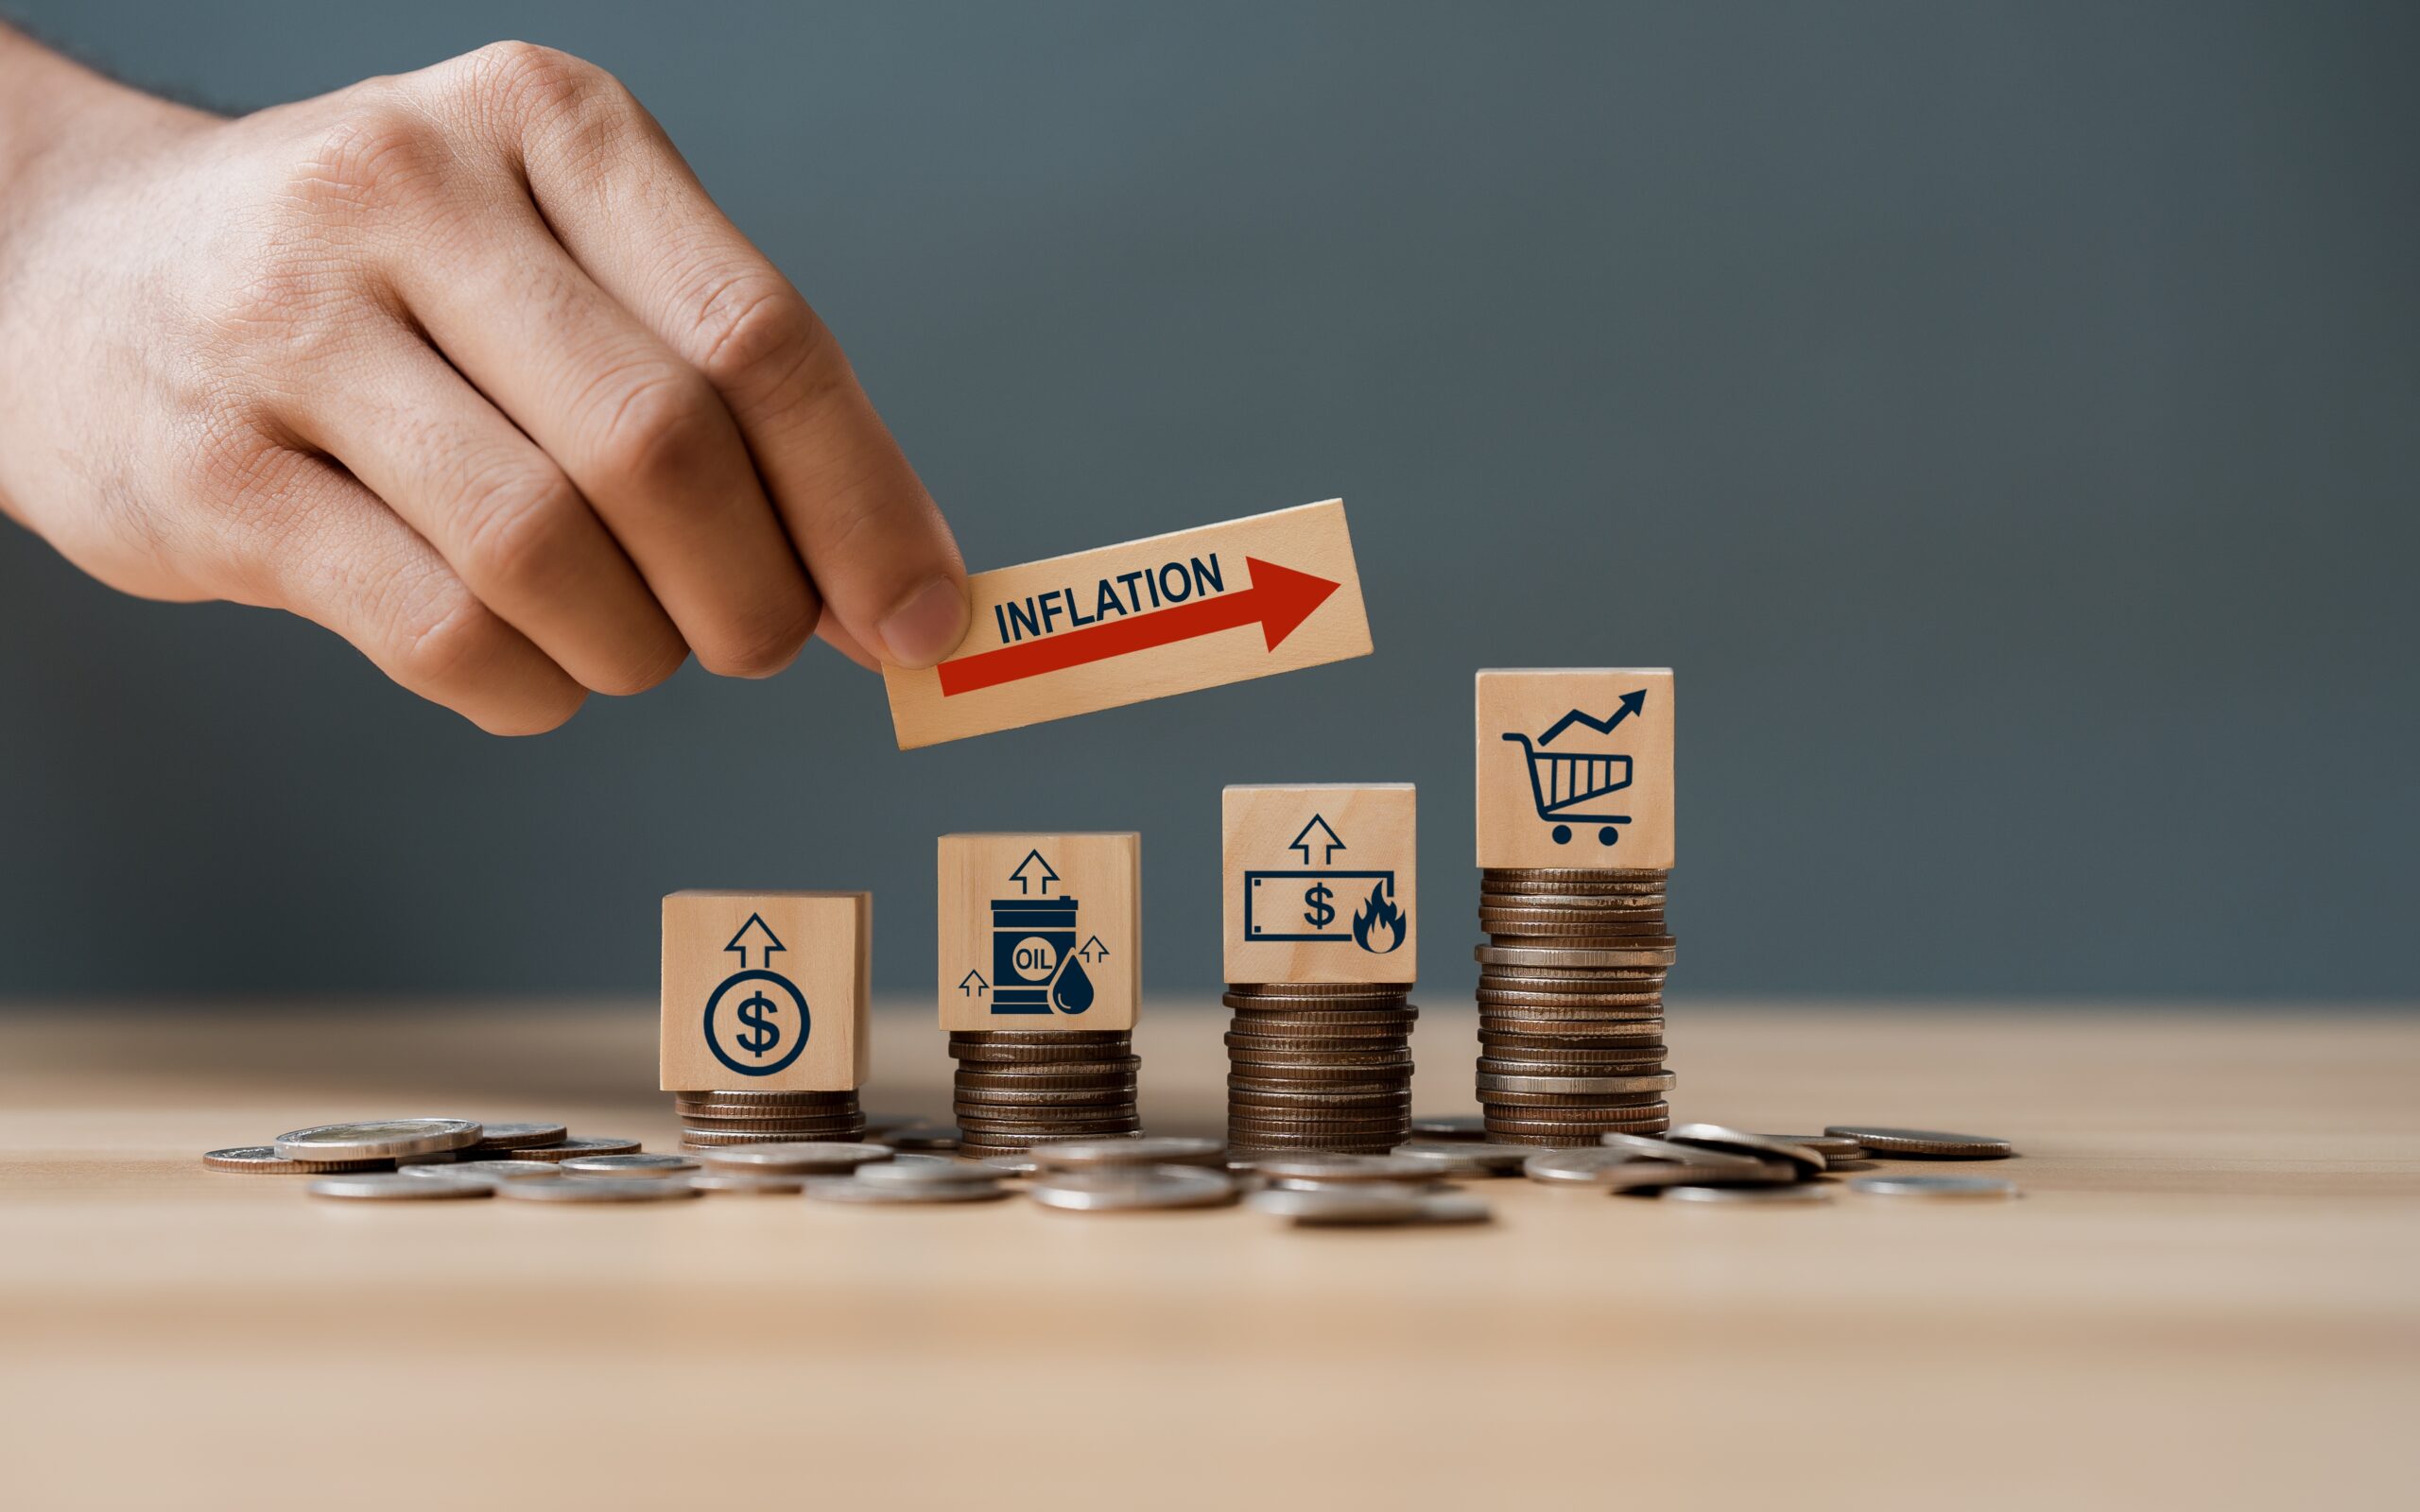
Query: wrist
[(60, 122)]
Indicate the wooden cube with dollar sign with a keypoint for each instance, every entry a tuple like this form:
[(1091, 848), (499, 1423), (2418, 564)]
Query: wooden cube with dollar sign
[(1321, 883), (765, 991)]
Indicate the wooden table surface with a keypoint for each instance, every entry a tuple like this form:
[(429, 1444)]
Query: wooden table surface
[(2208, 1296)]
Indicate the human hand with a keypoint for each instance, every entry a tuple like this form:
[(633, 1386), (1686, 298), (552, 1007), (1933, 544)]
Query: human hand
[(462, 365)]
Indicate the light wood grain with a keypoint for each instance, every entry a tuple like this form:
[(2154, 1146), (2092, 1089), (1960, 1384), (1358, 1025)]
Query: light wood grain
[(1532, 810), (1099, 873), (805, 955), (1119, 590), (2206, 1298), (1361, 841)]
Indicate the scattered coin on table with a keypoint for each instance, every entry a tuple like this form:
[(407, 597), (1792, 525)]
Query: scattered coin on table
[(488, 1171), (1631, 1169), (796, 1156), (400, 1186), (1449, 1127), (1937, 1188), (856, 1189), (599, 1189), (1468, 1156), (1314, 1166), (749, 1183), (1368, 1204), (258, 1158), (1832, 1147), (574, 1148), (1131, 1188), (627, 1165), (930, 1171), (494, 1137), (1076, 1155), (385, 1139), (1739, 1142), (1803, 1192), (1923, 1144)]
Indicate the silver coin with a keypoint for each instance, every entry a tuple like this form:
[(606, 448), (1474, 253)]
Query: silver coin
[(257, 1158), (1739, 1142), (1335, 1168), (753, 1183), (1022, 1164), (1367, 1204), (1831, 1147), (921, 1136), (572, 1147), (1466, 1157), (630, 1165), (440, 1157), (385, 1139), (1626, 1170), (486, 1170), (1803, 1192), (1550, 956), (1938, 1188), (1078, 1155), (1661, 1081), (930, 1171), (1132, 1188), (851, 1189), (1922, 1144), (397, 1186), (794, 1157), (518, 1136), (1450, 1127), (600, 1189)]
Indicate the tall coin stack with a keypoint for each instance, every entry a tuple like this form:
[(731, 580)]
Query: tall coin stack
[(1319, 1066), (711, 1120), (1017, 1089), (1571, 1004)]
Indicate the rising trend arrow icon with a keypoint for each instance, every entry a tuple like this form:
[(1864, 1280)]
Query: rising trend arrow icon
[(1304, 841), (972, 984), (1278, 600), (771, 941), (1632, 703)]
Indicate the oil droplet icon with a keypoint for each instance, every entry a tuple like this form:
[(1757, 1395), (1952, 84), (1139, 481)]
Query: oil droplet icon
[(1073, 991)]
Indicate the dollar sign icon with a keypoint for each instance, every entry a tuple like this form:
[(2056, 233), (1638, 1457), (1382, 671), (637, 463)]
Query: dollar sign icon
[(761, 1033), (1319, 915)]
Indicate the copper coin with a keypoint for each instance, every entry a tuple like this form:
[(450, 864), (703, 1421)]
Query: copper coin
[(494, 1137), (258, 1158), (573, 1148), (1319, 990), (1028, 1037), (718, 1139)]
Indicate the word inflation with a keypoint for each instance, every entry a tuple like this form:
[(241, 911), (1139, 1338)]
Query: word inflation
[(1174, 582)]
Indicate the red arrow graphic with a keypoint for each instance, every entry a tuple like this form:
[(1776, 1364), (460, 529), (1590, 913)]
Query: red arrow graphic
[(1279, 599)]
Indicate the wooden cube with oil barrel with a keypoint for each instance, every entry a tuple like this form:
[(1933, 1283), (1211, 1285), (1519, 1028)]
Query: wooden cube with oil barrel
[(1040, 932)]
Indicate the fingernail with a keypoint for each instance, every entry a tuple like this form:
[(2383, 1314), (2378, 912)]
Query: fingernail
[(927, 626)]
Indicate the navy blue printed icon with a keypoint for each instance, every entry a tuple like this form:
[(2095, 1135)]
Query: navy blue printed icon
[(1035, 965), (1565, 781), (757, 1019), (1302, 906)]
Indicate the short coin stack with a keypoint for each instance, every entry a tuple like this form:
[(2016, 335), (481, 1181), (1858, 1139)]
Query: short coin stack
[(1319, 1066), (711, 1120), (1572, 1005), (1017, 1089)]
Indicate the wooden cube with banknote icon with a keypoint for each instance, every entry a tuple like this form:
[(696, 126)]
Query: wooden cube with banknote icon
[(765, 990), (1040, 932), (1320, 882), (1575, 768)]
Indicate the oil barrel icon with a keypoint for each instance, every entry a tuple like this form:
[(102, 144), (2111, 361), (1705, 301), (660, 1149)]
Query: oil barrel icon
[(1034, 967)]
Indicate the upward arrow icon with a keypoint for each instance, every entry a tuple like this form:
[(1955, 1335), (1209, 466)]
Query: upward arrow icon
[(1026, 883), (1317, 832), (765, 937)]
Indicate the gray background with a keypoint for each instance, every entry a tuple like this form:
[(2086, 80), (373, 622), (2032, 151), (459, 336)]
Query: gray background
[(2004, 417)]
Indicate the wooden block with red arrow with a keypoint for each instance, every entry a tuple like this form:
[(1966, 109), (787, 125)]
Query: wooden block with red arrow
[(1249, 598)]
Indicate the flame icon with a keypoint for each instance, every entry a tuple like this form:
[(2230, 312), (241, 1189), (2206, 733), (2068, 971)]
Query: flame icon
[(1378, 925)]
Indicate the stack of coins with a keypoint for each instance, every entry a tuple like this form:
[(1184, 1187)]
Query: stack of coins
[(1017, 1089), (1572, 1005), (711, 1120), (1319, 1066)]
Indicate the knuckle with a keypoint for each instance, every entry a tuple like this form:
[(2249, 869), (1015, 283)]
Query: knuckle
[(375, 157), (443, 638), (516, 530), (526, 73), (661, 426), (762, 642), (756, 332)]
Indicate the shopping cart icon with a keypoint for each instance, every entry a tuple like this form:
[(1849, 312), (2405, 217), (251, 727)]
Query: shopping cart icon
[(1565, 782)]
